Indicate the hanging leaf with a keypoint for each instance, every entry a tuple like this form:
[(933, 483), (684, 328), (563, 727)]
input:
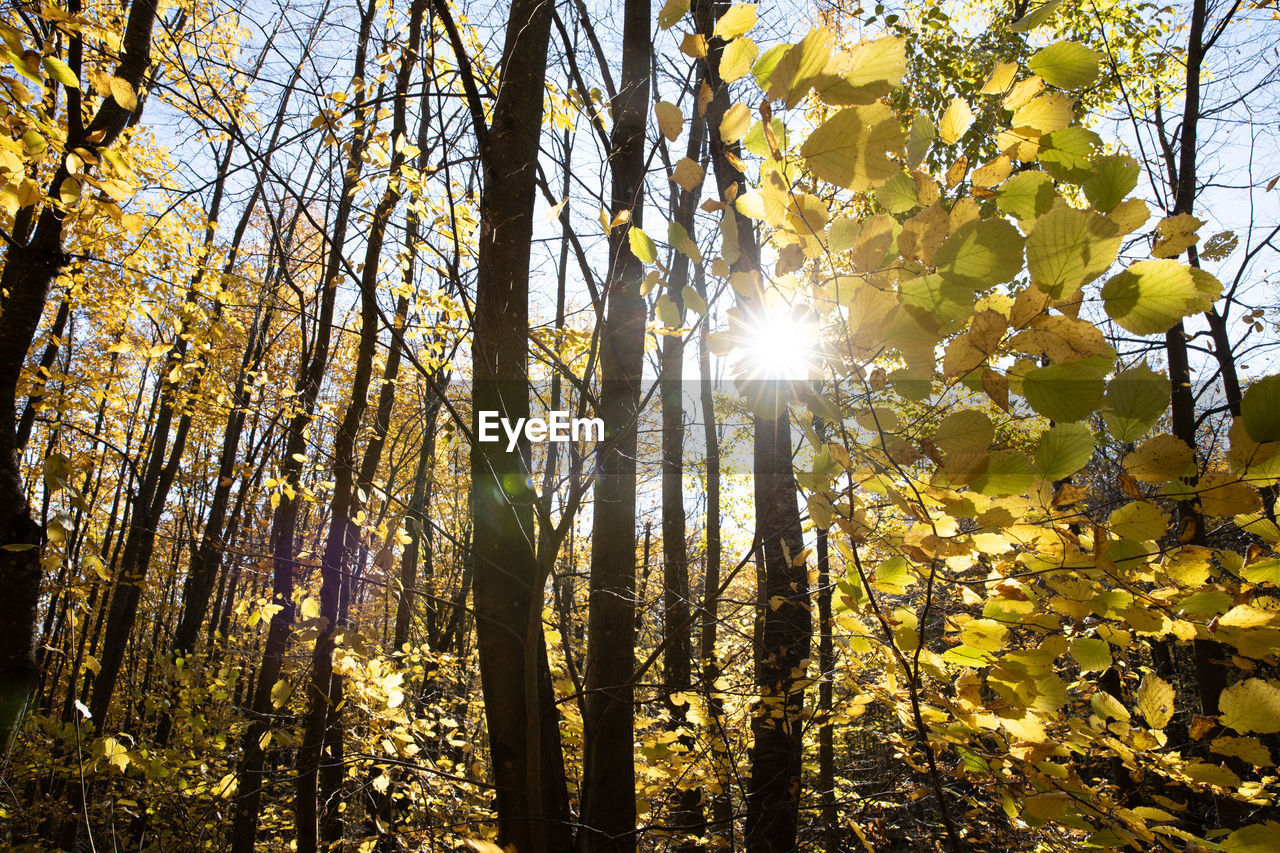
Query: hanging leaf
[(1045, 114), (1000, 78), (1155, 700), (1252, 705), (1260, 409), (1151, 296), (670, 120), (687, 174), (1035, 17), (955, 121), (1111, 179), (641, 245), (1176, 234), (740, 18), (981, 253), (1027, 195), (1066, 64), (1092, 655), (122, 91), (1136, 398), (1159, 459), (921, 137), (736, 122), (1069, 248), (736, 60), (1064, 392), (800, 66), (852, 148), (667, 310), (61, 72), (1064, 450), (671, 13)]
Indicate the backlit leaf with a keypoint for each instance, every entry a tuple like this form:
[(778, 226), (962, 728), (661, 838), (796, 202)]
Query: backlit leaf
[(1069, 248), (738, 57), (1064, 450), (641, 245), (851, 148), (1251, 705), (740, 18), (1064, 392), (1066, 64), (1260, 409), (1155, 700)]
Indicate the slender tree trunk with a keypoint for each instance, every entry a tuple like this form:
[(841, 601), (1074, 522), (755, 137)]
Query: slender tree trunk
[(785, 627), (508, 578), (608, 775), (285, 518)]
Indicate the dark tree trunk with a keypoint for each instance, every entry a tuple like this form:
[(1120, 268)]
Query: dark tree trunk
[(532, 811), (608, 774), (29, 271)]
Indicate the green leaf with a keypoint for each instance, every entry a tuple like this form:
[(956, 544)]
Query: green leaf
[(1069, 248), (922, 135), (1066, 64), (1260, 409), (667, 310), (1113, 177), (1008, 473), (1064, 450), (641, 245), (851, 149), (763, 69), (981, 253), (1151, 296), (1035, 17), (740, 18), (61, 72), (1064, 392), (893, 576), (1136, 398), (1252, 705), (898, 194), (1068, 154), (1027, 195)]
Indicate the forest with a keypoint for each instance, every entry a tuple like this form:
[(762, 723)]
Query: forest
[(524, 426)]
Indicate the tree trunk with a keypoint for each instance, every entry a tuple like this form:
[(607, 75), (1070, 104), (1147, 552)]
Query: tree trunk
[(608, 773), (29, 271), (508, 579)]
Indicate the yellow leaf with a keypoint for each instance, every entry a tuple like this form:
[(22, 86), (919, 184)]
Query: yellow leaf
[(1160, 458), (670, 119), (957, 119), (1045, 114), (672, 12), (687, 174), (736, 122), (1000, 79), (123, 92), (694, 45), (740, 18), (852, 147), (736, 60), (1252, 705), (1155, 700)]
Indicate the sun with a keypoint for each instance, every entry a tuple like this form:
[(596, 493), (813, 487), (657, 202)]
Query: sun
[(780, 344)]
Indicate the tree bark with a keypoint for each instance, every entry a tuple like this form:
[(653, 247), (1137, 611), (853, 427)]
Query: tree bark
[(608, 773)]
